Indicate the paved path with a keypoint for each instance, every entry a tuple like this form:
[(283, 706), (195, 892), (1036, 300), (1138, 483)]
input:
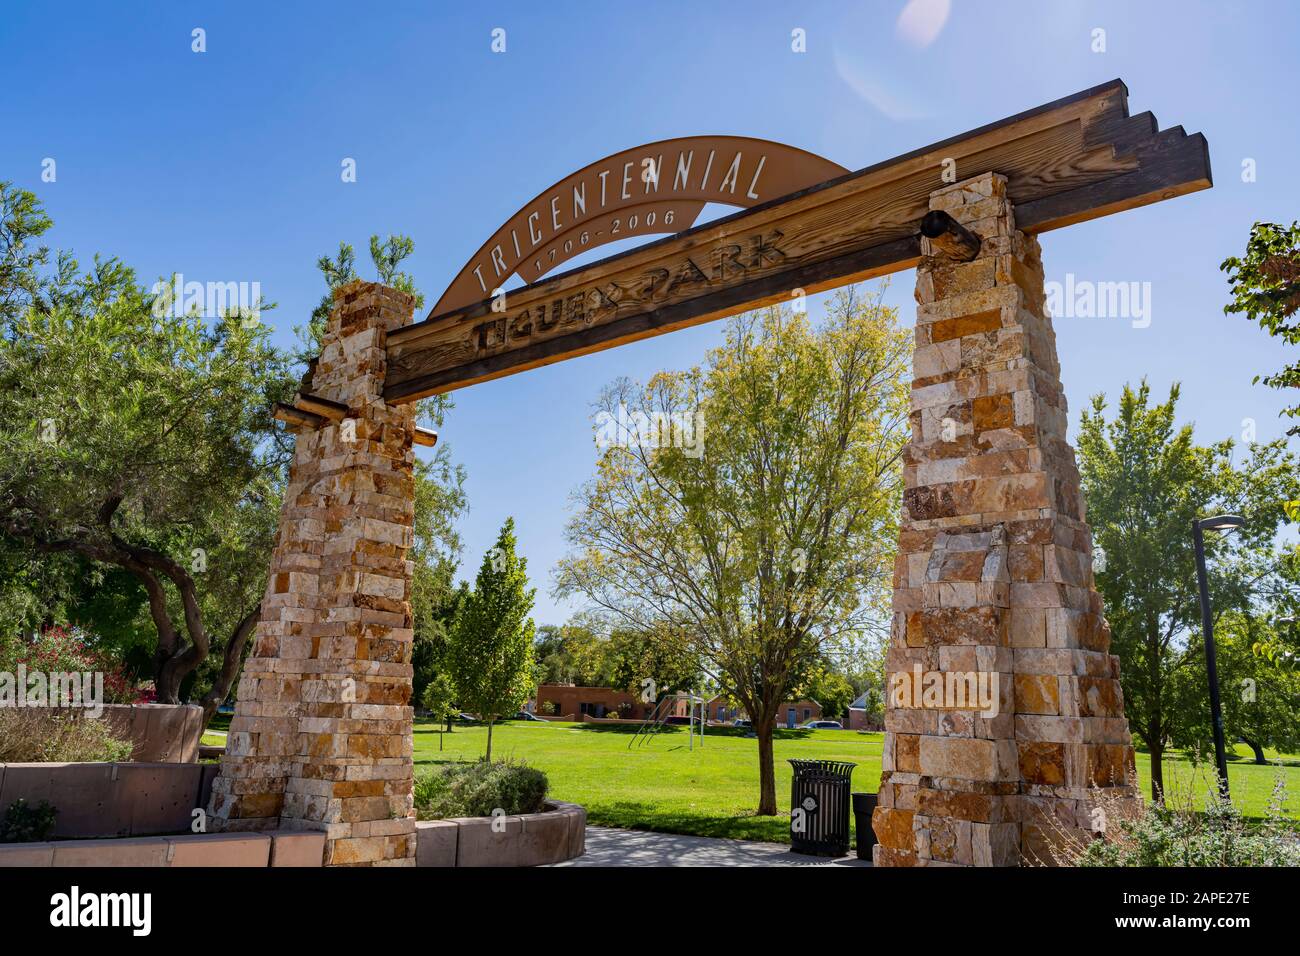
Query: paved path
[(612, 847)]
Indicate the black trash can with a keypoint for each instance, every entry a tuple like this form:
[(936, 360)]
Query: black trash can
[(864, 804), (819, 806)]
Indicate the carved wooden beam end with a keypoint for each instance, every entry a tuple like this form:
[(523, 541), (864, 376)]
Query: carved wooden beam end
[(324, 407), (309, 411), (948, 237), (297, 418), (425, 436)]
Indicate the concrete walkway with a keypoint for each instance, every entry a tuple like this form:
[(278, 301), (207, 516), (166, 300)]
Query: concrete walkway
[(612, 847)]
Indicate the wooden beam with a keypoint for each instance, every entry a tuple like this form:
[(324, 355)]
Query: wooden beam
[(1068, 161), (297, 418), (426, 437), (325, 407)]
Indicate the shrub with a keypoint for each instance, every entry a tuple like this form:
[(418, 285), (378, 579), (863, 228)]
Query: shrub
[(23, 823), (59, 649), (476, 789), (39, 736), (1218, 836)]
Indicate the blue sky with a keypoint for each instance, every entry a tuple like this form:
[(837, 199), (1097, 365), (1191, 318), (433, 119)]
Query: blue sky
[(225, 165)]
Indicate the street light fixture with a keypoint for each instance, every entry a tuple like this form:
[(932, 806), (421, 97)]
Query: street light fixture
[(1199, 527)]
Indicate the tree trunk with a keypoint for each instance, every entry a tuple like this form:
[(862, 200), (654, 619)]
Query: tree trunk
[(766, 770), (167, 685), (1259, 751), (489, 747), (1157, 751), (230, 663)]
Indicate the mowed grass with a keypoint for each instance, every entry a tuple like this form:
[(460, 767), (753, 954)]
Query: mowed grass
[(713, 790)]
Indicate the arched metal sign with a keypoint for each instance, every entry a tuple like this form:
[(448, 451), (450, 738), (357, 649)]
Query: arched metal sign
[(653, 189)]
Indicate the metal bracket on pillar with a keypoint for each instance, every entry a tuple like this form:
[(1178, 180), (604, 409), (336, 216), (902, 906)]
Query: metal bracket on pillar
[(948, 237)]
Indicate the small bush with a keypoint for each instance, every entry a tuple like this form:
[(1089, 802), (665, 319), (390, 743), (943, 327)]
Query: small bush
[(1218, 836), (60, 649), (38, 736), (23, 823), (476, 789)]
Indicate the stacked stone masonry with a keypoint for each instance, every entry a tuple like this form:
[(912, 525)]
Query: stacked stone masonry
[(321, 737), (994, 575)]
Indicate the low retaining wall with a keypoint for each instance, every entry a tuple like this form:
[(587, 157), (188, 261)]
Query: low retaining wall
[(111, 799), (274, 848), (159, 733), (526, 839)]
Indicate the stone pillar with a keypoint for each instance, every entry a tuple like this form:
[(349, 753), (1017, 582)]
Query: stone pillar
[(993, 581), (321, 737)]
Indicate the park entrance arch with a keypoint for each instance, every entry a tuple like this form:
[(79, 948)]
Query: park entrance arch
[(993, 575)]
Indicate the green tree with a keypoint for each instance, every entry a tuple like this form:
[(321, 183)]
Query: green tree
[(554, 661), (439, 699), (832, 690), (386, 255), (1257, 653), (572, 653), (490, 655), (636, 656), (1261, 697), (1145, 480), (140, 439), (22, 263), (763, 532), (1265, 286)]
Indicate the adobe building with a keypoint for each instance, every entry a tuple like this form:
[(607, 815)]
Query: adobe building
[(791, 713), (570, 702)]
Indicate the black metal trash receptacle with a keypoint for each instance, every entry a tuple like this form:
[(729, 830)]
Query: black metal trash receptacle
[(864, 804), (819, 806)]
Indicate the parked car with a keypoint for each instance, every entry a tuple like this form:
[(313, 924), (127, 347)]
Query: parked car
[(823, 725), (743, 722), (525, 715)]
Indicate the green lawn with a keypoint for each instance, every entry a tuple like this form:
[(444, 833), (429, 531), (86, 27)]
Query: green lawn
[(219, 723), (712, 791)]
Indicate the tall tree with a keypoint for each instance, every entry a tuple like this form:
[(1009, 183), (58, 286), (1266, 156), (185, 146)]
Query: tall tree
[(490, 655), (1265, 286), (751, 505), (641, 661), (139, 438), (1260, 694), (1145, 480), (831, 689)]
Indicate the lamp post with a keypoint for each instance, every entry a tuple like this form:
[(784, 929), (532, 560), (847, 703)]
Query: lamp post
[(1199, 527)]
